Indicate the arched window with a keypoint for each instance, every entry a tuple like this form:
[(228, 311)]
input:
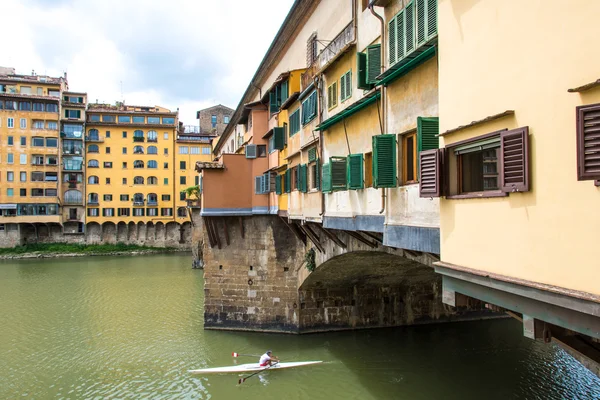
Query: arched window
[(138, 180), (93, 148), (152, 136), (93, 180), (138, 164), (152, 180), (93, 198), (138, 150), (93, 164), (152, 199), (182, 212), (73, 197), (152, 150), (138, 199), (138, 136), (93, 134), (152, 164)]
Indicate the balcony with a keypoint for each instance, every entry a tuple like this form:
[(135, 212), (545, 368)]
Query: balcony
[(93, 202), (138, 139), (72, 152), (138, 203), (337, 46), (73, 202), (94, 139)]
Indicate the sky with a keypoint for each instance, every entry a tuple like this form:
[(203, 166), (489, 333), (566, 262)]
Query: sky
[(186, 54)]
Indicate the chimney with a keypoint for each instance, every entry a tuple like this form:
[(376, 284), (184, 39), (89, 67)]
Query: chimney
[(32, 72)]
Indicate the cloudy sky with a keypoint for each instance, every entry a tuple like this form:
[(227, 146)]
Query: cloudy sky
[(189, 54)]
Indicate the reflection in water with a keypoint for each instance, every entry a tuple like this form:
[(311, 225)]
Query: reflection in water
[(132, 327)]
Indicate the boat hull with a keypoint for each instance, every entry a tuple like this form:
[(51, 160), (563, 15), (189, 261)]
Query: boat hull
[(254, 367)]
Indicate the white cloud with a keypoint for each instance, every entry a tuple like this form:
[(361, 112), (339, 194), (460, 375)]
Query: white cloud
[(183, 53)]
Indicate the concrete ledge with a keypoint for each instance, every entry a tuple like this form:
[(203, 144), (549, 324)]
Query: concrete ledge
[(219, 212), (412, 238), (369, 223)]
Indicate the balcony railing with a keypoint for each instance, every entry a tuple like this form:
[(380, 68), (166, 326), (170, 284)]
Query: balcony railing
[(93, 202), (337, 45), (138, 139), (152, 202), (73, 202), (138, 203), (94, 139)]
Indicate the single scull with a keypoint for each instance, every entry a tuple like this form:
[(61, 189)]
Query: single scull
[(254, 367)]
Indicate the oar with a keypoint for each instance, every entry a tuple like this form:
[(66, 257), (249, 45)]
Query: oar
[(245, 355), (242, 380)]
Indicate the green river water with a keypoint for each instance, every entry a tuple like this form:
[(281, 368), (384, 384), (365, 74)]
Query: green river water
[(131, 327)]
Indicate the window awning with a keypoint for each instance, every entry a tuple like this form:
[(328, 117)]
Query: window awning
[(415, 59), (352, 109), (478, 146), (8, 206)]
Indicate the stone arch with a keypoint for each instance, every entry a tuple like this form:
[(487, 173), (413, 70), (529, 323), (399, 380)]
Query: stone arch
[(141, 232), (150, 231), (186, 235), (172, 232), (131, 232), (159, 231), (94, 232), (121, 232), (109, 232)]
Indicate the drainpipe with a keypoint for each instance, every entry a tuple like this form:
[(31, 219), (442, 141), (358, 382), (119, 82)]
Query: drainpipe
[(383, 88), (321, 138)]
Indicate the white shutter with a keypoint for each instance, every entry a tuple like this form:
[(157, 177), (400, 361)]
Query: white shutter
[(250, 151)]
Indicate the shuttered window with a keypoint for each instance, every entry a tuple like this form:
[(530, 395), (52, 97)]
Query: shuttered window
[(384, 161), (303, 178), (332, 96), (515, 160), (338, 173), (361, 72), (312, 154), (250, 151), (346, 86), (431, 173), (355, 171), (277, 96), (278, 138), (412, 27), (373, 63), (428, 129), (278, 184), (309, 108), (288, 181), (588, 142), (326, 178), (295, 122)]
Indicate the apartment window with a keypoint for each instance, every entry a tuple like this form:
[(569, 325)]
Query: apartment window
[(368, 169), (93, 148), (51, 176), (166, 165), (410, 29), (38, 107), (23, 192), (152, 136), (206, 150), (181, 195), (166, 181), (346, 86), (10, 122), (51, 192), (168, 120), (183, 150), (309, 108), (152, 180), (139, 120), (124, 165), (108, 150), (10, 140), (124, 135), (23, 123), (154, 120), (166, 197), (38, 124), (124, 119), (52, 125), (138, 180), (37, 176), (409, 157), (152, 212), (37, 192), (108, 181), (332, 93), (165, 151), (51, 142), (311, 50), (124, 181), (93, 164), (213, 121), (108, 118), (93, 212), (153, 164), (124, 151), (152, 150), (261, 150), (107, 134), (23, 141), (37, 160), (10, 192), (194, 150), (24, 106), (94, 118), (107, 197), (138, 150), (10, 158), (138, 164), (124, 197), (182, 165), (23, 176), (138, 212), (225, 119), (166, 135), (93, 180), (182, 212), (182, 180), (108, 212), (588, 150), (108, 164), (51, 160), (23, 159), (124, 212), (73, 114), (166, 212)]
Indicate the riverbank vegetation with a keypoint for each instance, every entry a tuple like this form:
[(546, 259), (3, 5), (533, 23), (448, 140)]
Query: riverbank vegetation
[(76, 248)]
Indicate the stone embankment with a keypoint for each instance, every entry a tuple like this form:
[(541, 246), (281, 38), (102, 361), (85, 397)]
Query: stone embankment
[(38, 254)]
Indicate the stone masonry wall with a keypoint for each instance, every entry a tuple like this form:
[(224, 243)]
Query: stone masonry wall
[(251, 284)]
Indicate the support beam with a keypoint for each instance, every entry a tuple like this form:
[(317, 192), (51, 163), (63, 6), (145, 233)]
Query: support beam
[(297, 232), (242, 226), (361, 239), (216, 231), (313, 238), (211, 240), (373, 236), (226, 232), (331, 235)]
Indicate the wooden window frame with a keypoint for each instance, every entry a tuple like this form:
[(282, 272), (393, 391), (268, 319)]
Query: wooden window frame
[(332, 93), (405, 137), (582, 174), (348, 92)]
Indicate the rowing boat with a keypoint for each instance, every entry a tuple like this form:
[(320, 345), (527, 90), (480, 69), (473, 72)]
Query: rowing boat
[(254, 367)]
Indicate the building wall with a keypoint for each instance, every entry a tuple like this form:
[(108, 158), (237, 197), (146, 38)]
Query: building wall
[(187, 170), (220, 197), (523, 61), (206, 120)]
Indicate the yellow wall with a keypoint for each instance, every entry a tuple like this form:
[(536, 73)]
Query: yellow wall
[(189, 172), (523, 56)]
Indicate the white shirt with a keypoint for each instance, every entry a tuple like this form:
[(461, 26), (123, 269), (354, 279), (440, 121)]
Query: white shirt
[(264, 358)]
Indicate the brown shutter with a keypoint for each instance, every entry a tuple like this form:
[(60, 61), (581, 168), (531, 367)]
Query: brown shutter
[(514, 160), (588, 142), (430, 167)]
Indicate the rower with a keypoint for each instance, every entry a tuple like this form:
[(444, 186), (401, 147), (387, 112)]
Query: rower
[(267, 359)]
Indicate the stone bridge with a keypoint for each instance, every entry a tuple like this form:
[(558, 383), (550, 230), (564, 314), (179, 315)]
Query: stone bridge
[(257, 276)]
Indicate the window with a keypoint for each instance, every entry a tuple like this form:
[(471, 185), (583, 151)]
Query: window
[(124, 135), (165, 151), (409, 158), (51, 142), (277, 96), (138, 212), (108, 164), (10, 105), (182, 180), (152, 164), (311, 50), (108, 150), (124, 197), (124, 165), (588, 150), (166, 181), (213, 121), (183, 150), (10, 158), (23, 124), (152, 199), (124, 212), (309, 108), (94, 118), (152, 180), (225, 119), (166, 212), (51, 160), (107, 181), (368, 67), (154, 120), (384, 161), (107, 197), (152, 212), (138, 180), (37, 192), (10, 192), (166, 197), (38, 107), (168, 120), (10, 140), (138, 164), (139, 120), (166, 165), (166, 135), (138, 135), (261, 150), (108, 118), (332, 96), (108, 134), (23, 176), (73, 114), (37, 160), (23, 159), (206, 150), (93, 180), (402, 38), (152, 136), (93, 198), (10, 122), (346, 86), (38, 124), (194, 150), (51, 176), (368, 169), (26, 89), (124, 181), (138, 150), (93, 148), (124, 150), (152, 150), (181, 195), (54, 126), (124, 119), (108, 212), (182, 212), (37, 176), (295, 122), (24, 106), (92, 212), (182, 165), (51, 192), (93, 164), (23, 192)]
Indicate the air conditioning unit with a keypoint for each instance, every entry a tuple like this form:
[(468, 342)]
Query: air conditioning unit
[(250, 151)]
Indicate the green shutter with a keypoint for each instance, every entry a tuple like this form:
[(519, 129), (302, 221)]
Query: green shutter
[(361, 75), (338, 173), (431, 18), (312, 154), (384, 161), (349, 83), (392, 46), (373, 63), (78, 113), (80, 99), (355, 171), (66, 98), (409, 23), (318, 175), (326, 178), (273, 108), (421, 22), (343, 88), (288, 181), (278, 184), (400, 35), (427, 131), (284, 92), (66, 113), (278, 138), (303, 178)]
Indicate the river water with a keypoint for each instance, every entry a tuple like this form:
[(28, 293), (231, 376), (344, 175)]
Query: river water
[(131, 327)]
